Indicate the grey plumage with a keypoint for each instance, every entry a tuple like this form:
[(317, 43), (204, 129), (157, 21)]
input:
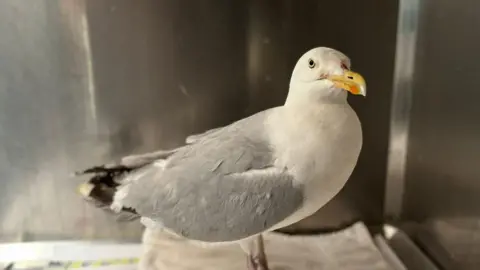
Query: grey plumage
[(209, 190), (210, 187)]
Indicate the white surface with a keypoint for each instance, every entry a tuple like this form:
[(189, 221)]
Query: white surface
[(350, 249), (65, 252)]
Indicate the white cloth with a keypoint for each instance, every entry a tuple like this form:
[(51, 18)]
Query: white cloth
[(349, 249)]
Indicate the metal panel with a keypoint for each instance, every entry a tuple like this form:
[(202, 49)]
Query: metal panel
[(401, 104), (160, 77), (48, 122), (442, 188)]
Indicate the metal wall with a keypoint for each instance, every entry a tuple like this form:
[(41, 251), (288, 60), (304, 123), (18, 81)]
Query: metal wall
[(88, 81), (49, 123), (441, 183)]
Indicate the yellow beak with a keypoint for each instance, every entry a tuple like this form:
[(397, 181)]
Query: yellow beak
[(350, 81)]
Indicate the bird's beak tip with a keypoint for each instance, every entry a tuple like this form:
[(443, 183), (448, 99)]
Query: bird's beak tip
[(351, 82)]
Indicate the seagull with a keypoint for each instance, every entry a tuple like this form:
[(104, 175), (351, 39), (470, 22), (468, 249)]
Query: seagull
[(234, 183)]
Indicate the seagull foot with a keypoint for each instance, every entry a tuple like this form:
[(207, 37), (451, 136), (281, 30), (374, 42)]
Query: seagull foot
[(257, 263)]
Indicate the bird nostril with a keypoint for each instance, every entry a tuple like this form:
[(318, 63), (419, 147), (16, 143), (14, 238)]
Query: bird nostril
[(350, 77)]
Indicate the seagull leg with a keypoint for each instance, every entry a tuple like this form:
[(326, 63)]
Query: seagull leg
[(255, 251)]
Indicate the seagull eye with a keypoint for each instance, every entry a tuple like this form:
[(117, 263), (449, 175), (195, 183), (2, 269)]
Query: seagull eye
[(344, 66), (311, 63)]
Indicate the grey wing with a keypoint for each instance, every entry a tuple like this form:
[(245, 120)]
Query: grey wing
[(145, 158), (196, 137), (224, 188)]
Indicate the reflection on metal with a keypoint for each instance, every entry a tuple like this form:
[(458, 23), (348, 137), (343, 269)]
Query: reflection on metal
[(401, 103), (48, 124), (85, 44), (406, 250), (388, 253)]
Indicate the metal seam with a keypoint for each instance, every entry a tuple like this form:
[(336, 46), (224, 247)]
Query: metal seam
[(407, 29)]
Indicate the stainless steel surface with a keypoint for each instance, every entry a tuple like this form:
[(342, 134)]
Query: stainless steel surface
[(388, 253), (86, 81), (49, 120), (407, 29), (412, 257), (442, 188)]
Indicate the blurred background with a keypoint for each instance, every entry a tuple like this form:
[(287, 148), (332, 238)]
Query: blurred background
[(85, 82)]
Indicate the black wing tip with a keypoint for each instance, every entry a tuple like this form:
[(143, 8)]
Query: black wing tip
[(104, 169), (100, 189)]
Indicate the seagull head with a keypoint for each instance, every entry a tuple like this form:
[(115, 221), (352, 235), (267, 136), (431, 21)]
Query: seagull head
[(324, 73)]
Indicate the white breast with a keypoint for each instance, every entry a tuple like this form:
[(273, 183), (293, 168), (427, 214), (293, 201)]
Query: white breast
[(320, 147)]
